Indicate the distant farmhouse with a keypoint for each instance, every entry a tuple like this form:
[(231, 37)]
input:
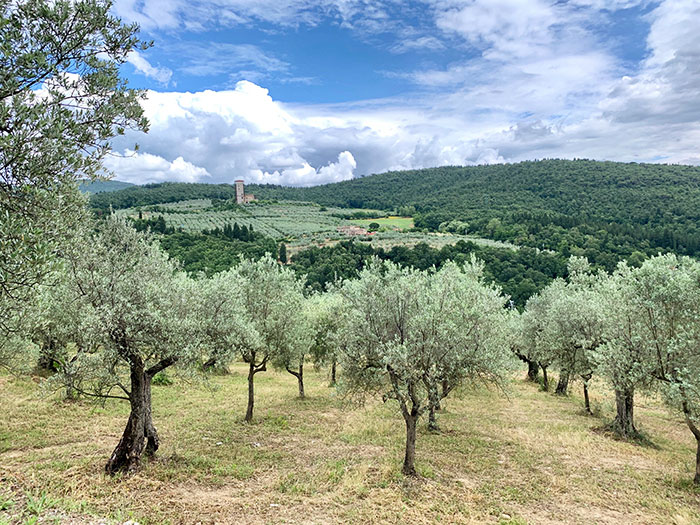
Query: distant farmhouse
[(241, 197), (353, 230)]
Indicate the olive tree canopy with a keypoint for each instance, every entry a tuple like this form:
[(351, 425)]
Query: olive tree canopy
[(408, 333), (61, 101)]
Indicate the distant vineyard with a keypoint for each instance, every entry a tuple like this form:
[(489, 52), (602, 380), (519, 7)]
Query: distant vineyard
[(277, 220)]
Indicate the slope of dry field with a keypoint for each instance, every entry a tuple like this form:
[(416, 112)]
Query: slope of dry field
[(529, 458)]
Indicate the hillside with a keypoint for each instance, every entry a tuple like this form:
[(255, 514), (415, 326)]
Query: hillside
[(607, 190), (162, 193), (605, 211), (103, 186), (530, 457)]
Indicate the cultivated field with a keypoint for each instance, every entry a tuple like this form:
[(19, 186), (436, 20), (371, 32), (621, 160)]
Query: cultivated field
[(528, 458), (300, 224), (278, 220)]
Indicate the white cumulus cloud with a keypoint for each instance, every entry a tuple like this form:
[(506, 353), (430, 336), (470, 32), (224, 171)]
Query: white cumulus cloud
[(143, 168), (143, 66)]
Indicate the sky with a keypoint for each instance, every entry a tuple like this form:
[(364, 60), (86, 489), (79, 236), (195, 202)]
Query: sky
[(305, 92)]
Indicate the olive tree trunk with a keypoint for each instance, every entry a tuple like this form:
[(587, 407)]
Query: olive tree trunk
[(433, 406), (696, 433), (533, 370), (624, 420), (251, 393), (410, 417), (409, 468), (334, 365), (140, 433), (586, 399), (48, 358), (252, 370), (299, 374), (545, 379), (563, 384), (152, 439), (127, 455)]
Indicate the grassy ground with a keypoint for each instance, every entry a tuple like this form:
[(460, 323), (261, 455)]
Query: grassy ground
[(529, 458), (401, 223)]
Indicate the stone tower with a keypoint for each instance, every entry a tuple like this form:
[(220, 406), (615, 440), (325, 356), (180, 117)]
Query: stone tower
[(240, 192)]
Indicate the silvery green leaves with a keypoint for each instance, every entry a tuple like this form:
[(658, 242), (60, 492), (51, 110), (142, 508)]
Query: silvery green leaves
[(129, 309), (413, 336), (61, 101)]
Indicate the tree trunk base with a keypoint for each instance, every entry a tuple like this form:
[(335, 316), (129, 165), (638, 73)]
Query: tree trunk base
[(409, 468), (563, 384), (587, 400), (533, 370), (623, 424), (126, 457)]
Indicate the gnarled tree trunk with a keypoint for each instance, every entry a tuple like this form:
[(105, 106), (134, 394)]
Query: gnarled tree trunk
[(409, 468), (299, 374), (140, 433), (587, 401), (563, 384), (252, 370), (334, 365), (127, 455), (623, 424), (533, 370)]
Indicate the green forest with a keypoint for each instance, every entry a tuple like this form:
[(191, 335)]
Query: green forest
[(605, 211)]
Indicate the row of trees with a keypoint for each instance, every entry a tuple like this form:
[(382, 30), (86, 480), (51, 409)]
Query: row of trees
[(638, 328), (121, 312)]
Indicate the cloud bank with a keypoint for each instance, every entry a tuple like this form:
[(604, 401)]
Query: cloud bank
[(537, 80)]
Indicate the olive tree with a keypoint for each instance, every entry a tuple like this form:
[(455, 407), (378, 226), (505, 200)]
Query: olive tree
[(134, 306), (520, 346), (534, 341), (622, 358), (61, 101), (407, 331), (255, 310), (666, 299), (573, 323), (325, 323)]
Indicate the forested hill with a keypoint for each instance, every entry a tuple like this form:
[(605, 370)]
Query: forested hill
[(607, 190), (603, 210), (102, 186), (161, 193)]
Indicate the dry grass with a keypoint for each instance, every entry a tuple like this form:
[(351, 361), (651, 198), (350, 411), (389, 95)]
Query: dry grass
[(533, 458)]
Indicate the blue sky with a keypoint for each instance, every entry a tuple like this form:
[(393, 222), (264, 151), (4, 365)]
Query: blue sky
[(307, 91)]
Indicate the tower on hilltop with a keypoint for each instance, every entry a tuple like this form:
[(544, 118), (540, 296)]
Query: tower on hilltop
[(241, 197), (240, 192)]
